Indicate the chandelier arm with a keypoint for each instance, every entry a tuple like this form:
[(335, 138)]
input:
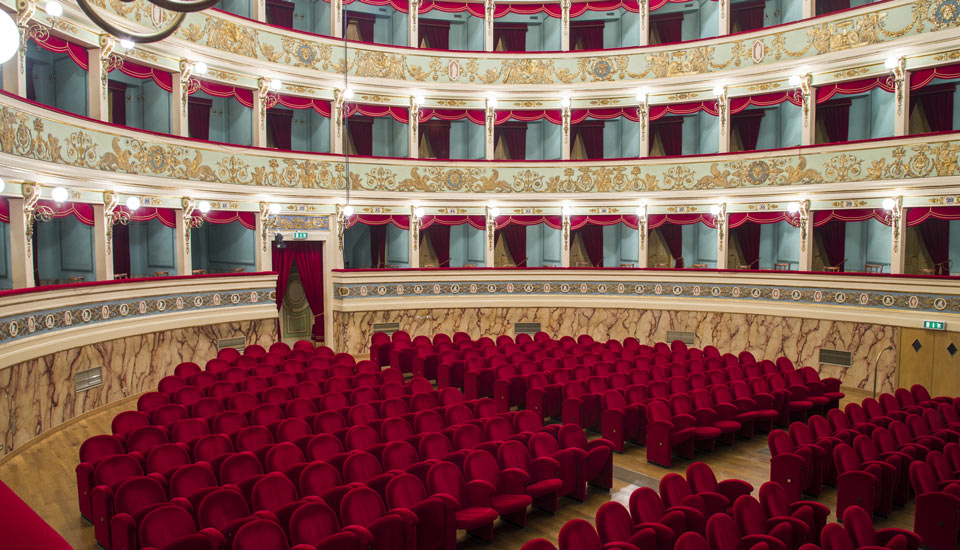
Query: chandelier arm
[(140, 38), (182, 6)]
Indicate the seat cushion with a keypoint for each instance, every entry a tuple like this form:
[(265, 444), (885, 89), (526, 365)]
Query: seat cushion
[(727, 426), (473, 518), (800, 405), (507, 503), (544, 487), (707, 432)]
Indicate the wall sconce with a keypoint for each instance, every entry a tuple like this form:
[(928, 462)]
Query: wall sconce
[(896, 66), (268, 221), (895, 208), (59, 194), (492, 214), (53, 8)]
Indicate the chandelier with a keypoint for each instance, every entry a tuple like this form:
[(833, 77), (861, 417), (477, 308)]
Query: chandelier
[(181, 7)]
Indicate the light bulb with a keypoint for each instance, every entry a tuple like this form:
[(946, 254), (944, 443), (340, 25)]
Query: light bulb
[(274, 209), (795, 81), (203, 207), (641, 210), (793, 207), (275, 84), (133, 203), (718, 90), (3, 184), (715, 209), (347, 211), (127, 44), (9, 37), (419, 100), (200, 67), (53, 8), (348, 93), (564, 101), (889, 203), (642, 96), (419, 212), (891, 63), (492, 101), (59, 194), (494, 211)]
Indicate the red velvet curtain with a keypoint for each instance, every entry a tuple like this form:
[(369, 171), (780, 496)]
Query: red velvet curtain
[(586, 35), (437, 133), (198, 117), (436, 33), (935, 233), (514, 136), (364, 21), (121, 249), (360, 129), (937, 102), (835, 115), (513, 36), (669, 27), (747, 125), (592, 237), (670, 130), (439, 236), (748, 237), (591, 134), (830, 6), (280, 13), (117, 92), (516, 240), (308, 257), (833, 234), (748, 15), (279, 124), (673, 237), (378, 245)]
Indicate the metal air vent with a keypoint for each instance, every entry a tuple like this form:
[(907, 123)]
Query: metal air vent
[(688, 338), (526, 328), (388, 328), (836, 357), (87, 379), (238, 343)]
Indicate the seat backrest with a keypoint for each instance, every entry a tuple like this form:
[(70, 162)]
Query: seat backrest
[(228, 422), (313, 522), (360, 438), (212, 446), (189, 429), (317, 478), (749, 516), (578, 534), (691, 541), (834, 537), (96, 448), (252, 438), (701, 478), (395, 429), (191, 478), (272, 492), (512, 454), (164, 525), (282, 456), (221, 507), (845, 458), (859, 526), (166, 457), (542, 444), (260, 534), (774, 499), (614, 523), (323, 446), (361, 466), (779, 442), (113, 469), (467, 436), (445, 477), (239, 467), (722, 533), (399, 455), (673, 489), (137, 493), (480, 464), (434, 445), (293, 429)]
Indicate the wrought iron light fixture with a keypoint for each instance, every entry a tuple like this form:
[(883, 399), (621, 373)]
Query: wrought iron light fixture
[(180, 7)]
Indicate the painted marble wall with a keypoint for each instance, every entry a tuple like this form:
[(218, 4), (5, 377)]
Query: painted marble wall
[(38, 395), (763, 335)]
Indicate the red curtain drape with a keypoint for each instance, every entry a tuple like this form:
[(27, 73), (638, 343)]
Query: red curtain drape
[(748, 15), (748, 237), (282, 263), (439, 236), (360, 129), (512, 35), (121, 249), (514, 136), (673, 237), (280, 13), (436, 32), (833, 234), (747, 125), (937, 102), (308, 257), (830, 6), (591, 134), (592, 237), (835, 115), (669, 27), (935, 233), (516, 240), (378, 245), (118, 102), (279, 124), (586, 35), (364, 21), (198, 117), (670, 130), (437, 133)]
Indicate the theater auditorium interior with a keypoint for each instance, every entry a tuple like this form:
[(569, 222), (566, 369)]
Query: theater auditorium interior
[(479, 274)]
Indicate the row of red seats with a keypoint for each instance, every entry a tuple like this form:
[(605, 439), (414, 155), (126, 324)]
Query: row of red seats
[(936, 484)]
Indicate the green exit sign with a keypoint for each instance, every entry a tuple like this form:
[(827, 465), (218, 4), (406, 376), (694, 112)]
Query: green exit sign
[(300, 235), (935, 325)]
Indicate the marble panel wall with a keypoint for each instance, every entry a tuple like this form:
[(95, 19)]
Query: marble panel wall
[(38, 395), (765, 336)]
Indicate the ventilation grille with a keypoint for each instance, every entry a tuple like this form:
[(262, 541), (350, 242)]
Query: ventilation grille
[(526, 328), (87, 379), (836, 357), (388, 328), (238, 343), (688, 338)]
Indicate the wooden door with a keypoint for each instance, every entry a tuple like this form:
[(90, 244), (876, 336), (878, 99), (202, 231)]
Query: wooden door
[(916, 357), (946, 364), (296, 316)]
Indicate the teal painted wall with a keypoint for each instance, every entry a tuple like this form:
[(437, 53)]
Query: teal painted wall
[(221, 247), (466, 140), (867, 242), (629, 245), (65, 249), (871, 115), (390, 26), (621, 138), (467, 246), (230, 121), (954, 254), (543, 31), (779, 243), (398, 246), (148, 105), (701, 134), (543, 246), (466, 31), (6, 282), (389, 137), (309, 130), (153, 247), (620, 27), (544, 140), (356, 246), (236, 7), (311, 16), (58, 81), (700, 19), (780, 127), (699, 245)]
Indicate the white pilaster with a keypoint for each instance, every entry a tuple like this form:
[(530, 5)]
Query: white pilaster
[(808, 133), (413, 133), (103, 236), (722, 237), (642, 259), (724, 17), (15, 70), (337, 224), (414, 234), (21, 235), (336, 19), (261, 99), (98, 95), (336, 123), (723, 113), (491, 227), (488, 44), (565, 115), (265, 222), (808, 9), (179, 96), (643, 113), (413, 23), (258, 10), (565, 25), (643, 25), (901, 117), (565, 251), (491, 116)]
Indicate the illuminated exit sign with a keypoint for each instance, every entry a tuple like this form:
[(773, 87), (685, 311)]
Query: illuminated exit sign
[(935, 325), (300, 235)]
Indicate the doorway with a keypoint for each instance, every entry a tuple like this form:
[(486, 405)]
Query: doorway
[(930, 358), (300, 265)]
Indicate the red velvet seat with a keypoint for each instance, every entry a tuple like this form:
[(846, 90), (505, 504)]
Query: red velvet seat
[(937, 515), (578, 534), (704, 483), (723, 534), (615, 526), (472, 506), (807, 518), (857, 484), (363, 507), (508, 498), (544, 483), (667, 434), (755, 527), (132, 499), (316, 526), (166, 525), (436, 528), (859, 526)]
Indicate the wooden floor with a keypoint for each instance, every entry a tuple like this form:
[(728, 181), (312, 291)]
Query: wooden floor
[(43, 475)]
